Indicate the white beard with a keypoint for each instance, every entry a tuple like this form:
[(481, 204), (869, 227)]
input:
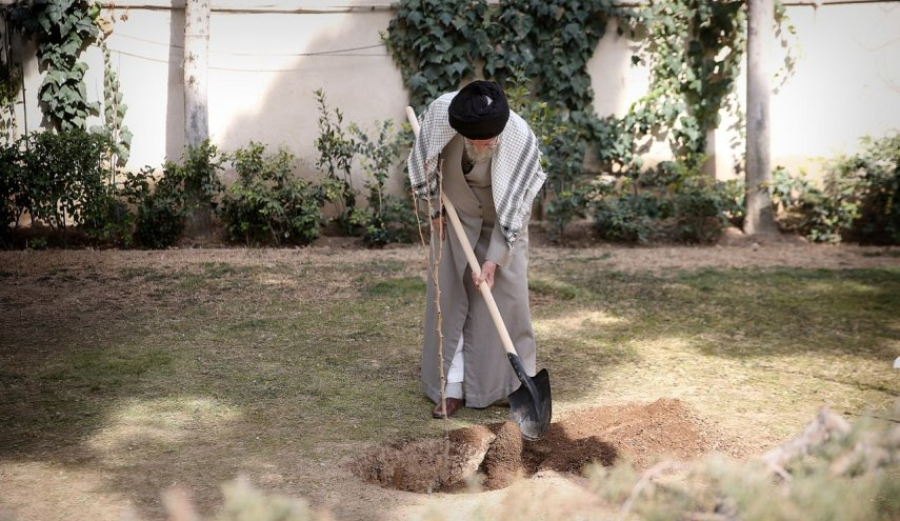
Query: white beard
[(483, 155)]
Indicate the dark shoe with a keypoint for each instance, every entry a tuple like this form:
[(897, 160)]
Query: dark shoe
[(453, 405)]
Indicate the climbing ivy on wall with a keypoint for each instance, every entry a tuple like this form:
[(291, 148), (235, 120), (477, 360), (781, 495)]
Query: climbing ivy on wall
[(62, 30), (693, 48), (113, 113), (437, 44), (552, 43), (9, 87)]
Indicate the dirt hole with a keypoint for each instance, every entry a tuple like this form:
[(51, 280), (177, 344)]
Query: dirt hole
[(496, 455)]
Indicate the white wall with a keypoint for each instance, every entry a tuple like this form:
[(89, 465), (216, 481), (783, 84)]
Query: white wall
[(847, 82), (262, 78)]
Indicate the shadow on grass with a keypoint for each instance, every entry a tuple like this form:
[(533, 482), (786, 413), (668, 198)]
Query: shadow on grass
[(229, 375), (195, 376)]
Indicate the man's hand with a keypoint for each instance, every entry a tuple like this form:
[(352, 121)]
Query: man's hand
[(487, 274), (437, 226)]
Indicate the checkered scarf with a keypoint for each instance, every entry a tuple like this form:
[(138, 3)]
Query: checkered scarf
[(516, 174)]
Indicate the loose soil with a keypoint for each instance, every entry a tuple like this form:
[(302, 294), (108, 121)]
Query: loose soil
[(495, 455)]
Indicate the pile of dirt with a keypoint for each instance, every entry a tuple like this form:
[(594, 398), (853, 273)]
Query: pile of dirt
[(496, 455)]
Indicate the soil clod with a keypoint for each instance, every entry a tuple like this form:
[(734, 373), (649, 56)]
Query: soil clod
[(496, 455)]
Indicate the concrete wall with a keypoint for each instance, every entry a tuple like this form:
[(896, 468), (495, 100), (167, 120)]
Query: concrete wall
[(266, 61)]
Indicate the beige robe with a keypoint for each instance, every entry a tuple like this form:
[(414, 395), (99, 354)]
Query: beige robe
[(488, 374)]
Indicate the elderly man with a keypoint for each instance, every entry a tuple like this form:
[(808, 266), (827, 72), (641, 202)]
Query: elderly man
[(486, 159)]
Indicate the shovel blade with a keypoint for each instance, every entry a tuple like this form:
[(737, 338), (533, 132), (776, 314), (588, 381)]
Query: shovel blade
[(531, 405)]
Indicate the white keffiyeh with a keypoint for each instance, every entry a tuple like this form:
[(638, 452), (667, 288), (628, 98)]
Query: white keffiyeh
[(516, 174)]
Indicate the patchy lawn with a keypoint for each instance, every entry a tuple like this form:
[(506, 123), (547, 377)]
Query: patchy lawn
[(125, 373)]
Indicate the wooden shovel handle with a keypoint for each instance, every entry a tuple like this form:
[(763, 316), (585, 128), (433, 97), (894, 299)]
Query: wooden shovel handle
[(470, 255)]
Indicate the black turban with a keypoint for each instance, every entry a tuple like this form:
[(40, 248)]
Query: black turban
[(472, 116)]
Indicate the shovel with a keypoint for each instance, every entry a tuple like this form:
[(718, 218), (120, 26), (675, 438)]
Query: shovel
[(530, 405)]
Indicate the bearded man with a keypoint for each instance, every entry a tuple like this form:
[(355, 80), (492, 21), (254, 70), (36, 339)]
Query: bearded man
[(486, 159)]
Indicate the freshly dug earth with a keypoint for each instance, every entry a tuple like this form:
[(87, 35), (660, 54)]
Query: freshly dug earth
[(496, 455)]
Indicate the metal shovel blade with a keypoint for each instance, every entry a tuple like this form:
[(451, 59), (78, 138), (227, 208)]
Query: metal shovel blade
[(530, 405)]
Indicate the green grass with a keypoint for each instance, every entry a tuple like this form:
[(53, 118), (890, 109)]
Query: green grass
[(102, 368), (403, 287)]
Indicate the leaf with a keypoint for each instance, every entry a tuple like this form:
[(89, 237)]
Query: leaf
[(414, 18), (457, 68)]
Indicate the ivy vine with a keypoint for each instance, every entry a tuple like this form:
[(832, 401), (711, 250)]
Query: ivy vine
[(438, 44), (693, 49), (552, 43), (62, 30), (113, 111), (10, 81)]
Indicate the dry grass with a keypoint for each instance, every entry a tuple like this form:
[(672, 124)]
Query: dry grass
[(136, 370)]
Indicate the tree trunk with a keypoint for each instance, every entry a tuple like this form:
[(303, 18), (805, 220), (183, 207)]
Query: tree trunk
[(760, 219), (196, 119), (196, 52)]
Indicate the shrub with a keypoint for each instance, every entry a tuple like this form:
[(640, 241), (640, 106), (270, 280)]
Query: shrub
[(702, 207), (198, 178), (61, 179), (186, 188), (112, 221), (668, 202), (12, 194), (160, 210), (58, 179), (267, 204), (628, 217), (857, 198), (387, 219), (820, 215), (336, 153), (877, 169)]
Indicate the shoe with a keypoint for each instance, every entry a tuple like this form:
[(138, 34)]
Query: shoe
[(453, 405)]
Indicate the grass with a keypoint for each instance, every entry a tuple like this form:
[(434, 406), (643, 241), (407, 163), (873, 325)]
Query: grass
[(274, 361)]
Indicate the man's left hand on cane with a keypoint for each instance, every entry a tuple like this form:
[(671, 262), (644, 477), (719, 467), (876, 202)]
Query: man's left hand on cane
[(487, 274)]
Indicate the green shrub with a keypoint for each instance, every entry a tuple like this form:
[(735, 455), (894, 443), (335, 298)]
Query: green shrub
[(702, 207), (267, 204), (161, 210), (628, 217), (877, 169), (669, 202), (336, 153), (12, 193), (820, 215), (857, 198), (112, 221), (387, 218), (186, 188), (395, 222), (61, 179)]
